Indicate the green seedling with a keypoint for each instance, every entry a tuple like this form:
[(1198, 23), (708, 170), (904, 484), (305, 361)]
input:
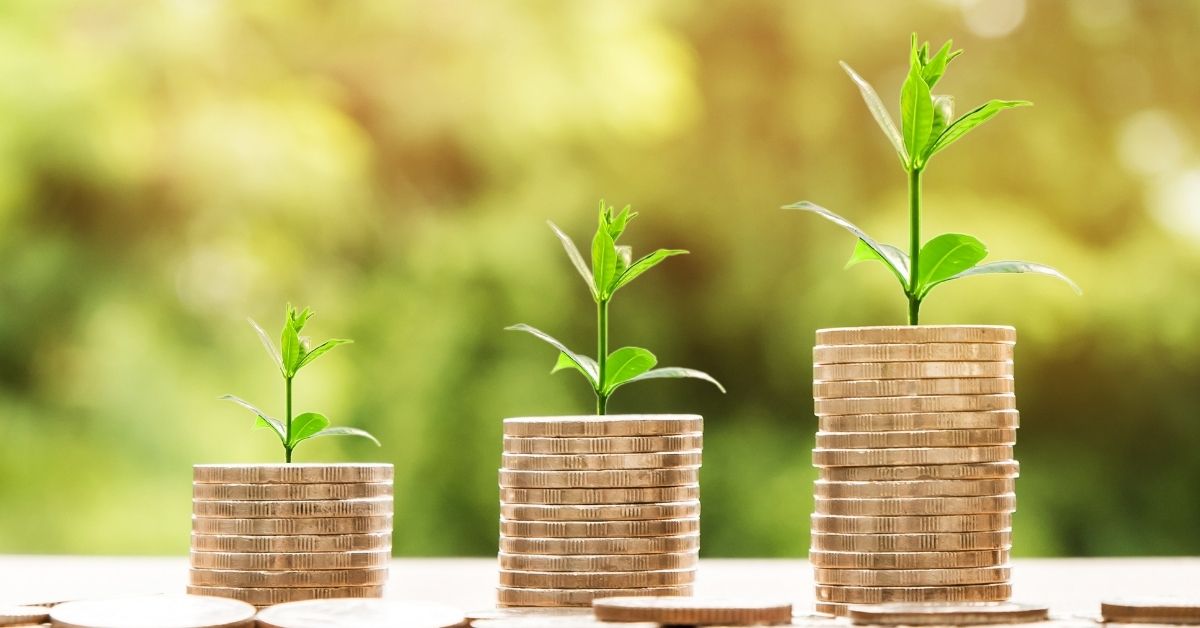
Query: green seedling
[(292, 355), (927, 128), (613, 267)]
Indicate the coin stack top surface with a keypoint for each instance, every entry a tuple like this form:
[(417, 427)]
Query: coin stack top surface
[(156, 611), (598, 506), (916, 476)]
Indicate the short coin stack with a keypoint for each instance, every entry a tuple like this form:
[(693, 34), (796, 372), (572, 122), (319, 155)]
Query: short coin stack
[(596, 507), (915, 494), (269, 534)]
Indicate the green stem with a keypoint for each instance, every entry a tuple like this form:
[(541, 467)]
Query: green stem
[(287, 448), (914, 232), (601, 355)]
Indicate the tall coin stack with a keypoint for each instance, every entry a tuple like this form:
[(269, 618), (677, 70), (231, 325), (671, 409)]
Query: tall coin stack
[(915, 494), (269, 534), (599, 506)]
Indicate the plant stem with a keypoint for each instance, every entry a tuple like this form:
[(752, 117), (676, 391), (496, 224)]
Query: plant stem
[(914, 232), (287, 448), (601, 355)]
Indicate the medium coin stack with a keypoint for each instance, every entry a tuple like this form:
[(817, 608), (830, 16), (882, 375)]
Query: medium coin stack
[(915, 494), (269, 534), (599, 506)]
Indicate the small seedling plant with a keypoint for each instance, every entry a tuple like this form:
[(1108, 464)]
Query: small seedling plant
[(613, 267), (927, 127), (292, 355)]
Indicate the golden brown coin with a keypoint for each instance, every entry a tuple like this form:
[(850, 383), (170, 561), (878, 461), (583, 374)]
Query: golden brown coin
[(291, 473), (600, 462), (833, 608), (915, 506), (968, 471), (915, 421), (908, 560), (923, 438), (292, 543), (911, 524), (941, 614), (372, 507), (922, 352), (360, 613), (287, 579), (879, 595), (938, 577), (600, 512), (906, 405), (506, 596), (914, 488), (603, 444), (555, 621), (914, 334), (1152, 610), (596, 580), (633, 545), (912, 387), (609, 496), (279, 561), (609, 425), (561, 529), (910, 370), (528, 613), (317, 525), (289, 492), (625, 478), (910, 456), (934, 542), (23, 615), (154, 611), (271, 597), (693, 611), (617, 562)]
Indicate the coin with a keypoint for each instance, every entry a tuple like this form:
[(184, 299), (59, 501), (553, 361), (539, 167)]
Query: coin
[(897, 506), (22, 615), (923, 352), (913, 421), (1154, 610), (318, 525), (291, 473), (911, 524), (945, 471), (932, 542), (375, 506), (603, 444), (914, 488), (941, 614), (596, 580), (585, 462), (878, 595), (905, 405), (360, 613), (600, 512), (618, 562), (287, 579), (558, 529), (280, 561), (611, 496), (909, 456), (693, 610), (908, 560), (638, 545), (625, 478), (270, 596), (916, 334), (279, 492), (532, 612), (609, 425), (910, 387), (939, 577), (507, 596), (910, 370), (292, 543), (922, 438), (555, 621), (156, 611)]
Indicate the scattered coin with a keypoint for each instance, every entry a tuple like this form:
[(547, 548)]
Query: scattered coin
[(617, 562), (597, 580), (360, 613), (910, 456), (933, 542), (284, 492), (899, 506), (907, 560), (879, 595), (508, 596), (907, 405), (288, 579), (866, 370), (158, 611), (286, 561), (1156, 610), (598, 462), (911, 387), (600, 512), (609, 425), (372, 507), (307, 525), (648, 495), (920, 438), (22, 615), (946, 614), (529, 613), (559, 529), (603, 445), (292, 473), (640, 545), (271, 596), (945, 471), (555, 621), (621, 478), (693, 611), (914, 488), (939, 576), (915, 421), (912, 334), (292, 543)]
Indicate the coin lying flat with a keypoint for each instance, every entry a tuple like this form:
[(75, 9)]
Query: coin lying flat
[(899, 506), (1157, 610), (599, 462), (912, 334), (288, 579), (948, 614), (307, 525), (507, 596), (158, 611), (916, 421), (609, 425), (910, 456), (872, 524), (603, 444), (600, 512), (920, 438), (292, 543), (647, 495), (639, 545), (532, 612), (272, 596), (914, 488), (284, 561), (879, 595), (611, 562), (908, 560), (938, 577), (867, 370), (360, 613), (906, 405), (23, 615), (943, 471), (291, 473), (559, 529), (597, 580), (693, 610), (912, 387), (922, 352), (285, 492), (371, 507), (935, 542), (621, 478), (552, 621)]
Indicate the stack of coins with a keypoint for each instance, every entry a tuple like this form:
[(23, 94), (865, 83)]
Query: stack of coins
[(269, 534), (596, 507), (915, 494)]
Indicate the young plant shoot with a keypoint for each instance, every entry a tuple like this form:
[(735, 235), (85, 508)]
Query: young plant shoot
[(927, 127), (613, 267), (292, 355)]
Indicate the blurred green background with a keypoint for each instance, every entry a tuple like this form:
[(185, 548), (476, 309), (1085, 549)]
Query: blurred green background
[(168, 169)]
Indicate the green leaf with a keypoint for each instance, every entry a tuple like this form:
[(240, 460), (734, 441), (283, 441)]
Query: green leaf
[(916, 111), (565, 361), (945, 256), (624, 259), (322, 349), (674, 372), (290, 349), (879, 112), (618, 223), (307, 425), (864, 253), (892, 256), (586, 365), (346, 431), (625, 364), (576, 258), (644, 264), (268, 344), (264, 419), (604, 262), (943, 113), (995, 268), (970, 120), (933, 70)]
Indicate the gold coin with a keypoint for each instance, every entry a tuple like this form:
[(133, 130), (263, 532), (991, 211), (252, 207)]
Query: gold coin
[(879, 595), (286, 492), (598, 462), (625, 478), (281, 561), (914, 421), (287, 579), (910, 456), (938, 577), (914, 334), (914, 488), (901, 506), (596, 580), (910, 370), (23, 615), (693, 611), (906, 405), (360, 613), (603, 444), (562, 529), (922, 352), (271, 597), (911, 387), (292, 543), (554, 621), (633, 545), (609, 425), (291, 473), (1153, 610), (600, 512), (506, 596), (570, 496), (272, 527), (528, 613), (911, 524), (375, 506), (833, 608), (156, 611), (940, 614), (941, 471), (617, 562), (933, 542), (908, 560), (923, 438)]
